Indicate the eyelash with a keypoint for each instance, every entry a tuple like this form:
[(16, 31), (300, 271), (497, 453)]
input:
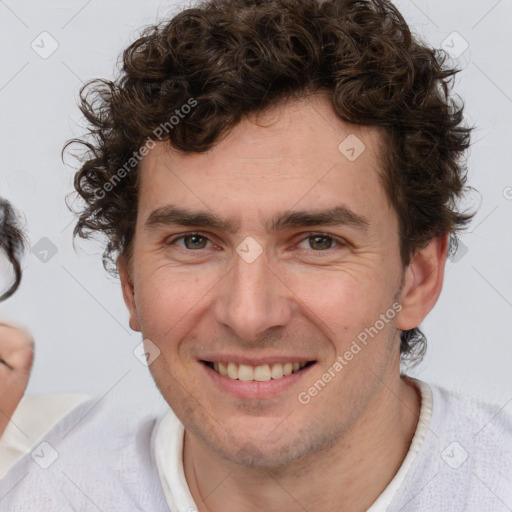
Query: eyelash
[(340, 243)]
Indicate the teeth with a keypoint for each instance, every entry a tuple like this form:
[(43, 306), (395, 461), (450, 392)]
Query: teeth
[(277, 371), (223, 370), (232, 371), (245, 372), (262, 373)]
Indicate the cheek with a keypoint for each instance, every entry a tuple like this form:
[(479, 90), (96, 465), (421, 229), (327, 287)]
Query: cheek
[(345, 302), (168, 299)]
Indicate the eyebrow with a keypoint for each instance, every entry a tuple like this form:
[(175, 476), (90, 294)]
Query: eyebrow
[(336, 216)]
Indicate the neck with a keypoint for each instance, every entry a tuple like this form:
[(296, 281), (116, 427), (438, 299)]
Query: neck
[(352, 472)]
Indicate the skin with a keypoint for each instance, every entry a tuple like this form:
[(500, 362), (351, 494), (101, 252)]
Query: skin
[(299, 298), (16, 356)]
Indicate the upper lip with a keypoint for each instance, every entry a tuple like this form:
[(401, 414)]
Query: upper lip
[(255, 361)]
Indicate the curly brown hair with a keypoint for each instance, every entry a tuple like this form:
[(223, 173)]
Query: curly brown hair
[(12, 244), (231, 58)]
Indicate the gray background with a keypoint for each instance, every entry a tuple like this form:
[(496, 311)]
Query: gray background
[(76, 313)]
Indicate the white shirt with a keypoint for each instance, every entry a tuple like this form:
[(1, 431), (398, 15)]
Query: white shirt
[(32, 419), (115, 456), (169, 458)]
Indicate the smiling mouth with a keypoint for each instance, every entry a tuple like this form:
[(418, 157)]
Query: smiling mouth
[(261, 373)]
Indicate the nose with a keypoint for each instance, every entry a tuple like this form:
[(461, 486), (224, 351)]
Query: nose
[(253, 299)]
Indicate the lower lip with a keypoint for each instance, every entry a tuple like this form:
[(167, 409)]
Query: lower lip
[(255, 389)]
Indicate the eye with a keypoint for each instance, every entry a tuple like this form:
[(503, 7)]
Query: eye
[(191, 241), (320, 242)]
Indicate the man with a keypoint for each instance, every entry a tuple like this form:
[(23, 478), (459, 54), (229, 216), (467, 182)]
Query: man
[(277, 181)]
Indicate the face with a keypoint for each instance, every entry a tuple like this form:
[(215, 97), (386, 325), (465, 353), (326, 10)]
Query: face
[(238, 267)]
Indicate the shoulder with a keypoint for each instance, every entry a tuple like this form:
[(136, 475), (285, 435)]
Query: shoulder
[(465, 461), (102, 451), (484, 426), (33, 418), (479, 435)]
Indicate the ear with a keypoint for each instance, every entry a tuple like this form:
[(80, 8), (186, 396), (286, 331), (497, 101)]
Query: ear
[(423, 281), (128, 292)]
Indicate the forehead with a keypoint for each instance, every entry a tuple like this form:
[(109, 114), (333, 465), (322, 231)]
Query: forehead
[(297, 155)]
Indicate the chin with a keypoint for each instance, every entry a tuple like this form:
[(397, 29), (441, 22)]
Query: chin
[(257, 450), (252, 455)]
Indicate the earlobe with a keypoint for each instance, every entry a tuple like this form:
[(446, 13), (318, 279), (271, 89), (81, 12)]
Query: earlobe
[(128, 292), (423, 282)]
